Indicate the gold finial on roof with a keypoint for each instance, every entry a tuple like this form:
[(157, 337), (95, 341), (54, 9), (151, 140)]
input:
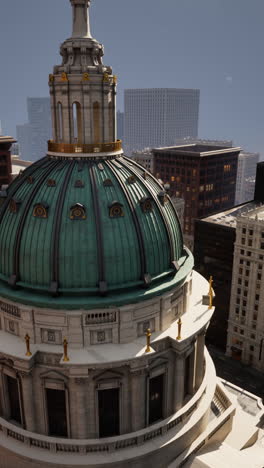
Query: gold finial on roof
[(65, 351), (27, 340), (179, 329), (148, 335)]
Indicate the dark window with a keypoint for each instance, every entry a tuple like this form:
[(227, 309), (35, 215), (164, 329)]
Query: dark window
[(13, 392), (156, 398), (56, 408), (108, 401)]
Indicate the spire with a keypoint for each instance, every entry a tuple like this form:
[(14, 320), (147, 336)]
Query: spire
[(80, 18)]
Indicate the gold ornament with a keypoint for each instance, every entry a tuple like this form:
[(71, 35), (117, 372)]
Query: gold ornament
[(65, 351), (64, 76), (27, 340), (106, 78), (179, 329), (115, 79), (51, 78), (148, 335), (86, 77)]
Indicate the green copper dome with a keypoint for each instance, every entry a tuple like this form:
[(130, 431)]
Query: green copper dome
[(84, 230)]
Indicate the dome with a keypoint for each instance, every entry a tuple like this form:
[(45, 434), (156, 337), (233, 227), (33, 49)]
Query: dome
[(88, 228)]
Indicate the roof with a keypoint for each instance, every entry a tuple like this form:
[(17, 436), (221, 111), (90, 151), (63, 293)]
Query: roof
[(83, 229), (7, 139), (229, 217), (197, 150)]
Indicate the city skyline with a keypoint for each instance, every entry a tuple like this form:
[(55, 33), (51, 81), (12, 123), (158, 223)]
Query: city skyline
[(212, 57)]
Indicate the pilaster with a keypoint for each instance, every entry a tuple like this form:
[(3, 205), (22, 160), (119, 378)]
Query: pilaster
[(138, 399), (28, 401), (199, 365), (179, 381)]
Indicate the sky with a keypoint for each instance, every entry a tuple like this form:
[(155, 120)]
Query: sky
[(216, 46)]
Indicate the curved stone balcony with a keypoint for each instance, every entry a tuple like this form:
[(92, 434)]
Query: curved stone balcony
[(82, 150), (180, 429)]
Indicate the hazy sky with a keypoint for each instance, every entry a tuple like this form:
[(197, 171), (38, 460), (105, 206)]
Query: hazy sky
[(214, 45)]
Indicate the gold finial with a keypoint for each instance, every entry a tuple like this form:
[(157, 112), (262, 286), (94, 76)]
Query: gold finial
[(115, 79), (179, 329), (64, 76), (51, 78), (27, 340), (211, 293), (148, 335), (86, 77), (106, 78), (65, 351)]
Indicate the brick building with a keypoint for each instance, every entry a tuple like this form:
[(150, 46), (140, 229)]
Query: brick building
[(5, 159), (204, 176)]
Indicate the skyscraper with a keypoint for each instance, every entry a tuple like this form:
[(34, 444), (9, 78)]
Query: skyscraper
[(245, 339), (157, 117), (246, 171), (120, 125), (33, 136)]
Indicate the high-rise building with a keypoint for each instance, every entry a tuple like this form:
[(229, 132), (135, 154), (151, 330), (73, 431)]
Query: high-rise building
[(246, 171), (245, 340), (5, 159), (103, 319), (33, 136), (204, 176), (144, 158), (214, 242), (157, 117), (120, 125)]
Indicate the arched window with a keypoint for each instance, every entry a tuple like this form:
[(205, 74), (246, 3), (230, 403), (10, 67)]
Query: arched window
[(60, 121), (40, 210), (77, 122), (77, 211), (96, 122), (146, 204), (116, 210)]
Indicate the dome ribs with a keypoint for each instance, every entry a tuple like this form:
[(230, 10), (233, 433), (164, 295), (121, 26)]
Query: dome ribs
[(56, 231), (15, 276), (163, 217), (99, 236), (146, 173), (144, 274)]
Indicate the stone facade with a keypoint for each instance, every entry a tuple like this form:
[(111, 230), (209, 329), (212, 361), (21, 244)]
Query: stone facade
[(189, 387), (246, 315)]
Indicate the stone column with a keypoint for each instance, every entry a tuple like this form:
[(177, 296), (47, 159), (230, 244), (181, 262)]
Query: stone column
[(27, 400), (138, 400), (199, 364), (179, 382)]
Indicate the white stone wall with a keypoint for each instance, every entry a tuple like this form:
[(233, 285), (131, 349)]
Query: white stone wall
[(96, 326)]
